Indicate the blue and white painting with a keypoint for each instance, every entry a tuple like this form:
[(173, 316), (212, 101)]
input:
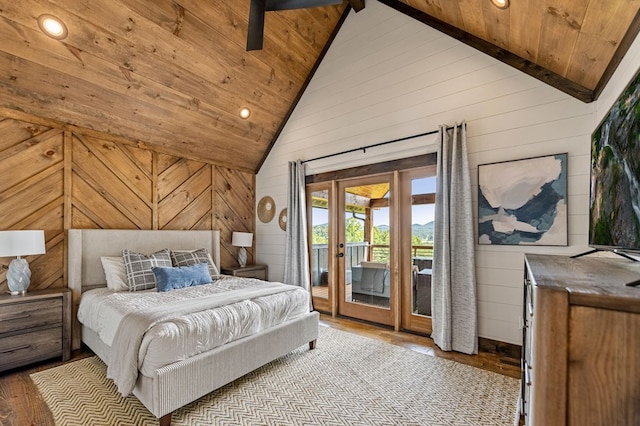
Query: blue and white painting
[(523, 202)]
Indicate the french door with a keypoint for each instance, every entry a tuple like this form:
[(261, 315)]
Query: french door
[(322, 253), (371, 245), (417, 188), (365, 249)]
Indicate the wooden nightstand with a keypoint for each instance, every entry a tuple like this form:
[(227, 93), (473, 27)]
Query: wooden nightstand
[(35, 327), (250, 271)]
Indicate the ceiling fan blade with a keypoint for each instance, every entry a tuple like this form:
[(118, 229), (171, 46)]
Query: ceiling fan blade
[(256, 25), (298, 4)]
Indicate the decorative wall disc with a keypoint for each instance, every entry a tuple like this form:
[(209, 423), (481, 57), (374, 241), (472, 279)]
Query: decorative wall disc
[(266, 209), (282, 219)]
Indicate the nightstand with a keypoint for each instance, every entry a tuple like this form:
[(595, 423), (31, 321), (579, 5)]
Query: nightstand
[(35, 327), (250, 271)]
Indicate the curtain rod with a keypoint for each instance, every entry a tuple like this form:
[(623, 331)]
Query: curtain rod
[(364, 148)]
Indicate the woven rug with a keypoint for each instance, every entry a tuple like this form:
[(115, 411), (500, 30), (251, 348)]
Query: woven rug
[(347, 380)]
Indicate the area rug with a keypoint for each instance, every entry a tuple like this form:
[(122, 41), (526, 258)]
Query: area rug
[(347, 380)]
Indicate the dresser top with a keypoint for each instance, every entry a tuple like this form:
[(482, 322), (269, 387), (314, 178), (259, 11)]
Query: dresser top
[(592, 281)]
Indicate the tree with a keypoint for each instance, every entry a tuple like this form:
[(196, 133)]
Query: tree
[(380, 237), (354, 230), (320, 234)]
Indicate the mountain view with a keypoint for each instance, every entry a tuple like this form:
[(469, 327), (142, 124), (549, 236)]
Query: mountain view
[(423, 232)]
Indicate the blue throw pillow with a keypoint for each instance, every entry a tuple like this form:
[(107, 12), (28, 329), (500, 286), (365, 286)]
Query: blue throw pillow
[(182, 276)]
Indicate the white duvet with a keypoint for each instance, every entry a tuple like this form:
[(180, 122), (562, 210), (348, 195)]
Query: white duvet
[(172, 335)]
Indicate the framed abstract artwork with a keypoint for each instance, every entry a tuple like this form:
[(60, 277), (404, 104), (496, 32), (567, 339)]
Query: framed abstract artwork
[(523, 202)]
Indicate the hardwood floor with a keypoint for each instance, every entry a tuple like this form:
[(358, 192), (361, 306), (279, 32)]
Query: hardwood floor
[(21, 405), (20, 402)]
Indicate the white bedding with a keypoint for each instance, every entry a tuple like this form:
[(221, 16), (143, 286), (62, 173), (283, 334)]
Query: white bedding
[(184, 335)]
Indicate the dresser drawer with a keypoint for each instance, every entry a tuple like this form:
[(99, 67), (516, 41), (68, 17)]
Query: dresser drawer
[(17, 317), (22, 349)]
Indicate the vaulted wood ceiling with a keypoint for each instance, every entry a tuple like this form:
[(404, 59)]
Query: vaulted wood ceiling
[(172, 75)]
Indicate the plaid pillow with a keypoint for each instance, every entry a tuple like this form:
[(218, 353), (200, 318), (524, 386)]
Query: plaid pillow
[(138, 267), (192, 257)]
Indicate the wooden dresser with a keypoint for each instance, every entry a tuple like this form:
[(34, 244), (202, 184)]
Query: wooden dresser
[(581, 345), (34, 327)]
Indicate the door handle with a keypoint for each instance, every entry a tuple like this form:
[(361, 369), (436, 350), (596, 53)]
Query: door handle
[(340, 255)]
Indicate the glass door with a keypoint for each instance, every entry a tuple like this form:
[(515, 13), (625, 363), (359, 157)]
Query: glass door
[(418, 188), (322, 252), (364, 248)]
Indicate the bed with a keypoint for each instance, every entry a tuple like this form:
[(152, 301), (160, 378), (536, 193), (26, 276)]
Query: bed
[(164, 389)]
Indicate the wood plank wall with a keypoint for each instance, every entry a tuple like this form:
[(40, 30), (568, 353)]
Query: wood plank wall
[(56, 179)]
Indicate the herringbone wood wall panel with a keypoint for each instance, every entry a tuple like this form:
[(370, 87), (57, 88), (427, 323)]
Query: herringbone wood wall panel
[(184, 193), (55, 180), (234, 200), (32, 194), (112, 186)]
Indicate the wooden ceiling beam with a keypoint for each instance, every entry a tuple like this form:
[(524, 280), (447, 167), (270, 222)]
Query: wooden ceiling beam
[(549, 77), (423, 199), (378, 203)]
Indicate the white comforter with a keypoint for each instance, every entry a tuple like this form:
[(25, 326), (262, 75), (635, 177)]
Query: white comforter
[(168, 333)]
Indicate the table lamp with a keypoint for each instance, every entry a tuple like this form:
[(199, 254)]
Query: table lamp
[(242, 240), (20, 243)]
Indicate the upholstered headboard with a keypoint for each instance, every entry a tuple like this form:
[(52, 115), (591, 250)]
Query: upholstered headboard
[(86, 246)]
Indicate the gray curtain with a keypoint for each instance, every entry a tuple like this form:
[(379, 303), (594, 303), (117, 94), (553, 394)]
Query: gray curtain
[(296, 263), (454, 316)]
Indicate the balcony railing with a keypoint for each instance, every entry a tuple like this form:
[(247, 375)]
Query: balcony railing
[(380, 253), (357, 252)]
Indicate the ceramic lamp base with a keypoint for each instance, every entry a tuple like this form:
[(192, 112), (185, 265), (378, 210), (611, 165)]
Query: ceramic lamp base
[(18, 276), (242, 257)]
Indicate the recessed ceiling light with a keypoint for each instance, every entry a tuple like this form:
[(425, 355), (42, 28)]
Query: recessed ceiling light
[(501, 4), (52, 26), (245, 112)]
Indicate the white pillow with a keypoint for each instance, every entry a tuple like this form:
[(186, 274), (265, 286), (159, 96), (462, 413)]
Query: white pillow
[(115, 273)]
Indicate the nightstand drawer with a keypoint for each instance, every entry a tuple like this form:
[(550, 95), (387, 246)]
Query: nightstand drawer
[(22, 349), (17, 317), (260, 274)]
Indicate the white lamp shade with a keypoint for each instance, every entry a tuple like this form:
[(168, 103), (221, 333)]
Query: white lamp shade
[(242, 239), (21, 243)]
